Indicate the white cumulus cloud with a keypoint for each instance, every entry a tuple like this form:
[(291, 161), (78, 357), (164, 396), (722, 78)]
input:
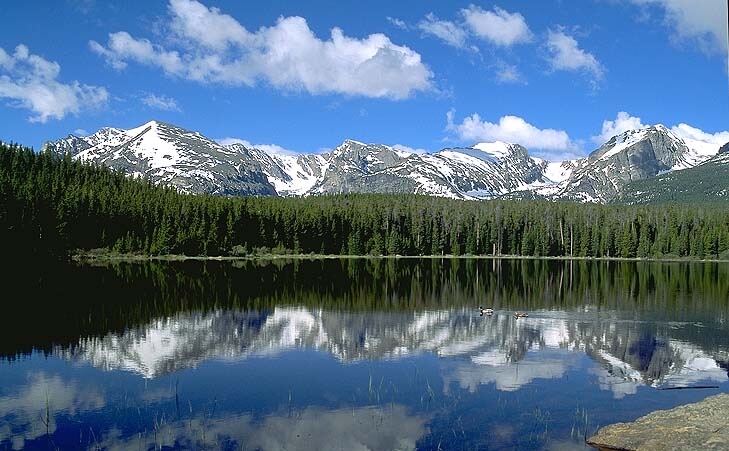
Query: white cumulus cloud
[(701, 21), (160, 102), (688, 132), (123, 47), (205, 45), (208, 27), (449, 32), (31, 82), (512, 129), (566, 54), (622, 123), (499, 26)]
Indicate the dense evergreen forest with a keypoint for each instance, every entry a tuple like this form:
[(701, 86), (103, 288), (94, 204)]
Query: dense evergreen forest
[(52, 205)]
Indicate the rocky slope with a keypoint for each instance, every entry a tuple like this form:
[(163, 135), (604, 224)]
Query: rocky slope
[(706, 182)]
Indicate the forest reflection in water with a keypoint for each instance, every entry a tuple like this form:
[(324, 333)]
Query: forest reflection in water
[(386, 352)]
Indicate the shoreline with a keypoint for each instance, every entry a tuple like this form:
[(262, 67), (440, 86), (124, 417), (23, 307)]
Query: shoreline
[(84, 257)]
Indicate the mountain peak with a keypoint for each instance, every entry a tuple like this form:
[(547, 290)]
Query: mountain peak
[(157, 125), (636, 134), (353, 141), (149, 126)]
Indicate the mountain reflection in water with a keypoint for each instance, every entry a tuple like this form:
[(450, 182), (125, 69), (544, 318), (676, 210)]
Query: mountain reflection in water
[(631, 351)]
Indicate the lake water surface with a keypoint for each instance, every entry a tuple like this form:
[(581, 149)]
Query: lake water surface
[(352, 354)]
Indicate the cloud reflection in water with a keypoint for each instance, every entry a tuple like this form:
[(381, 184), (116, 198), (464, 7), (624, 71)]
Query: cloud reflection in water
[(23, 413)]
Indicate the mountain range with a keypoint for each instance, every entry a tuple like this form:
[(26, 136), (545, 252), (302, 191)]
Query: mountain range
[(192, 163)]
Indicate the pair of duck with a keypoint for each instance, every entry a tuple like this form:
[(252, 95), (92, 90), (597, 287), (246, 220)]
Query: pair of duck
[(490, 311)]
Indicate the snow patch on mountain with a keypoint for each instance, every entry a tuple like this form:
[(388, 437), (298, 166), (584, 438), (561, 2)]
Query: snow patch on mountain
[(497, 149), (303, 174), (622, 142), (556, 171), (699, 152)]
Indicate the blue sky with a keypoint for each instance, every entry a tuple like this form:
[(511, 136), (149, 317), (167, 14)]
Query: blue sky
[(558, 76)]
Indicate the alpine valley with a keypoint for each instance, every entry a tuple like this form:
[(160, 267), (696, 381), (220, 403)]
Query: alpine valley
[(192, 163)]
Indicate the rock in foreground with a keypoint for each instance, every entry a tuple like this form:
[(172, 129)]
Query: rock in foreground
[(700, 426)]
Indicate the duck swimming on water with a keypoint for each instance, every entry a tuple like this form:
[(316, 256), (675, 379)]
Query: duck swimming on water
[(486, 311), (520, 315)]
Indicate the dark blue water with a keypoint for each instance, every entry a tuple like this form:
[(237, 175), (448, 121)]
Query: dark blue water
[(354, 355)]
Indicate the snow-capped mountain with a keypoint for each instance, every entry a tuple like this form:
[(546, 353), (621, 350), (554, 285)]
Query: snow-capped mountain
[(483, 171), (632, 155), (171, 156), (193, 163)]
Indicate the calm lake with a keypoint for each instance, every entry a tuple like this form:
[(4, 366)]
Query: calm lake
[(352, 354)]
